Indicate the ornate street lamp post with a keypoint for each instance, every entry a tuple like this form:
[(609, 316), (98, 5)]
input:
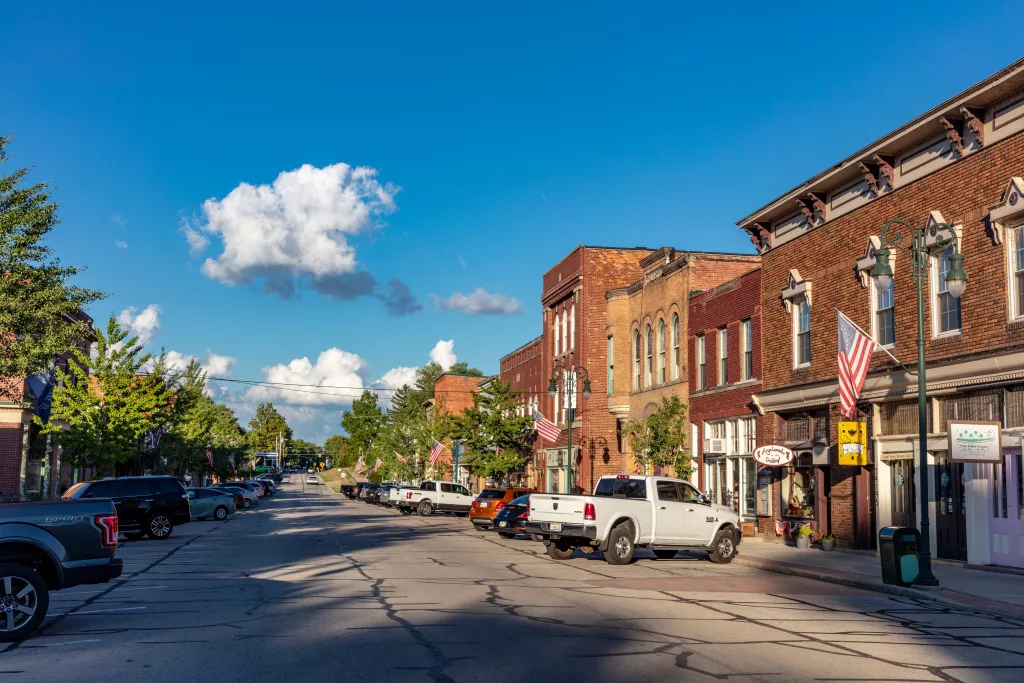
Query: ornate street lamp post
[(914, 241), (567, 374)]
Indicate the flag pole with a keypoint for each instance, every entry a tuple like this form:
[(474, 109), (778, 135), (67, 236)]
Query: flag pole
[(877, 345)]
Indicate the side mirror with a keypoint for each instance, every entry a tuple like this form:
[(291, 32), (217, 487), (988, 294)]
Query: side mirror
[(703, 500)]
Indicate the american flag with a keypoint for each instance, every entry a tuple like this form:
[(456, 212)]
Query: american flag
[(360, 464), (545, 427), (435, 452), (400, 457), (209, 456), (377, 465), (854, 357)]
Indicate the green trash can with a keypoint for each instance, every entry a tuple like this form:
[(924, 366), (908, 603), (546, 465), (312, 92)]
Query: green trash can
[(900, 551)]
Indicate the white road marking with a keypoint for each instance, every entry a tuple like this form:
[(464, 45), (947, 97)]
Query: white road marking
[(70, 642)]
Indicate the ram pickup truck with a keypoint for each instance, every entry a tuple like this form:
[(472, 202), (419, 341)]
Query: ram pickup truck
[(440, 496), (663, 514), (49, 546)]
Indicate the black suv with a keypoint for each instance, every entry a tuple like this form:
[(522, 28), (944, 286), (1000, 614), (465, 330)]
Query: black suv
[(145, 505)]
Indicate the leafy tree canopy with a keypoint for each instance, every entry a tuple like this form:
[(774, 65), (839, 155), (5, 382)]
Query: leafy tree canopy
[(660, 438), (267, 428), (497, 440)]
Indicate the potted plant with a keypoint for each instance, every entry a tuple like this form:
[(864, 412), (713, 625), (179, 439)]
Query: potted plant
[(828, 542), (803, 537)]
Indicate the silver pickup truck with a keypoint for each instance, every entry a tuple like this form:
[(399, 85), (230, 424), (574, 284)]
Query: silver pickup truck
[(49, 546)]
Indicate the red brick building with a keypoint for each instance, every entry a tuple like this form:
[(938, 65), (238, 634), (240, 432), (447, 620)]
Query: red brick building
[(452, 395), (526, 371), (961, 163), (724, 347)]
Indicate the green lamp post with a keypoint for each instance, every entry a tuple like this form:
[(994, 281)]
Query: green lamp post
[(567, 374)]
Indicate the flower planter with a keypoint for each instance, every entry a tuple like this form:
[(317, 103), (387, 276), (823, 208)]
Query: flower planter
[(826, 545), (803, 542)]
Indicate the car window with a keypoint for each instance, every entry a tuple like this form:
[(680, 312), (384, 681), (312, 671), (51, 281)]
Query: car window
[(427, 486), (463, 490), (134, 488), (490, 494), (690, 494), (605, 487), (165, 485), (74, 491), (521, 501), (104, 489), (637, 488), (446, 488), (192, 495), (667, 491)]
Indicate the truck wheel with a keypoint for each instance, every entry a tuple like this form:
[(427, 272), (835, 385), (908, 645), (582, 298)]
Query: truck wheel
[(481, 528), (665, 554), (405, 511), (425, 509), (560, 551), (159, 527), (620, 545), (536, 538), (723, 549), (505, 534), (221, 513), (24, 599)]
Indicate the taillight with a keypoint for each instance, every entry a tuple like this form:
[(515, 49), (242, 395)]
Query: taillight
[(524, 515), (500, 505), (408, 496), (588, 512), (108, 525)]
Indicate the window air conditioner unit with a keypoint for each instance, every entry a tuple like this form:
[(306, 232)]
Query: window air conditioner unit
[(555, 459), (715, 446)]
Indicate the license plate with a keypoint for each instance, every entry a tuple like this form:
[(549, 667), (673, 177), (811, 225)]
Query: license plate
[(554, 527), (483, 505), (502, 523)]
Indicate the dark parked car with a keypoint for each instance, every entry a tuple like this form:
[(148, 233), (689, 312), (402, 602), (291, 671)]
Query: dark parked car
[(49, 546), (235, 493), (348, 490), (145, 505), (264, 486), (511, 519)]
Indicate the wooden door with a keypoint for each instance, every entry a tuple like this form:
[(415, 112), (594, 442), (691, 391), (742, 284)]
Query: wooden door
[(904, 497), (951, 515)]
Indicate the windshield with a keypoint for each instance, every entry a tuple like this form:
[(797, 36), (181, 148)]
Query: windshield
[(521, 501), (70, 493), (490, 494)]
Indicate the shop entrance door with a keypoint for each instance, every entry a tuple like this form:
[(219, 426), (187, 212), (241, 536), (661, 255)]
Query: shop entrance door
[(1007, 521), (951, 515), (901, 481)]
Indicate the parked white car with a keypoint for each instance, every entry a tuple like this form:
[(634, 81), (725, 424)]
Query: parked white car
[(663, 514), (440, 496), (312, 479)]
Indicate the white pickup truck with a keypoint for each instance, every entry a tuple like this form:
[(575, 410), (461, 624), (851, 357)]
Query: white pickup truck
[(442, 496), (665, 515)]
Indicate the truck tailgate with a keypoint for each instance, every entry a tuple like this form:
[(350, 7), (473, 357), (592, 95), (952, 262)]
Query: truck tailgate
[(553, 507)]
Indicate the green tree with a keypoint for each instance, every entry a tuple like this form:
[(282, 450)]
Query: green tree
[(336, 448), (363, 422), (660, 438), (191, 418), (301, 450), (40, 312), (107, 401), (266, 430), (497, 440)]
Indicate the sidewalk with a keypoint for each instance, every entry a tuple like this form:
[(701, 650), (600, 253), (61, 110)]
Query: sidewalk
[(984, 590)]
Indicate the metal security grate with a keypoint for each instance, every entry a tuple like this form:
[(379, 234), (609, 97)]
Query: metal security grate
[(900, 417), (982, 405)]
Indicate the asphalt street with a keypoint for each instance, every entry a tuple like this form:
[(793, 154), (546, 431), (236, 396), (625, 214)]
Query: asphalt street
[(313, 587)]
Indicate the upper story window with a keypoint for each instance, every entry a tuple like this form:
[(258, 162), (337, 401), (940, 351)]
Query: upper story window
[(636, 360), (565, 331), (611, 364), (1016, 263), (723, 356), (556, 331), (675, 346), (649, 368), (701, 363), (883, 303), (572, 326), (746, 350), (945, 306), (801, 332), (661, 351)]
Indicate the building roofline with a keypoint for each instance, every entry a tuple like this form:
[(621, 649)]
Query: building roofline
[(536, 339), (697, 293), (875, 147)]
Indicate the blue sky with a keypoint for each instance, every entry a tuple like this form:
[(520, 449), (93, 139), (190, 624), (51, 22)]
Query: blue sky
[(514, 131)]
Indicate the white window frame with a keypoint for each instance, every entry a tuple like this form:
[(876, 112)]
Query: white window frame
[(749, 435), (556, 331), (873, 288), (572, 326), (565, 331), (933, 276), (723, 356), (648, 356), (1015, 295), (798, 304), (700, 351), (662, 376), (611, 364), (637, 352), (676, 355), (746, 349)]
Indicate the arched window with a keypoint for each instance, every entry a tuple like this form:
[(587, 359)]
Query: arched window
[(556, 331), (661, 351), (675, 346), (636, 360), (649, 374), (572, 327)]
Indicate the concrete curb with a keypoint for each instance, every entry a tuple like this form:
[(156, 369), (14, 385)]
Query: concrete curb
[(849, 579)]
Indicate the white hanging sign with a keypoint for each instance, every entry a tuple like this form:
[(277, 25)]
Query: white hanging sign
[(975, 441), (773, 455)]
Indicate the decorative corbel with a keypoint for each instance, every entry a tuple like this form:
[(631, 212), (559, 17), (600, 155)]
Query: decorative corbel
[(886, 171), (974, 124), (755, 402), (818, 204), (953, 135), (807, 211), (870, 178), (760, 236)]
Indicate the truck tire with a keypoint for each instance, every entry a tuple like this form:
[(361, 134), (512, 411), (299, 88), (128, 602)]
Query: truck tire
[(425, 508), (665, 554), (506, 534), (481, 528), (620, 545), (159, 527), (405, 511), (560, 551), (26, 603), (723, 548)]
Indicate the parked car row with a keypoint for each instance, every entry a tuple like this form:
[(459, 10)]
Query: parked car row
[(48, 546), (625, 512)]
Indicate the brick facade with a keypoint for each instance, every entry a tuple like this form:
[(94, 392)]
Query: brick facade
[(525, 371), (452, 395)]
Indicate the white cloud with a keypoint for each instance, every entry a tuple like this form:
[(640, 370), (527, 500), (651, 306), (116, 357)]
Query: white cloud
[(216, 365), (296, 231), (120, 244), (197, 242), (144, 324), (334, 368), (443, 353), (480, 302)]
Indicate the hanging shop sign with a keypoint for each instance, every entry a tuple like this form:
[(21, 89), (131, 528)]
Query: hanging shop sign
[(975, 441), (773, 456), (853, 444)]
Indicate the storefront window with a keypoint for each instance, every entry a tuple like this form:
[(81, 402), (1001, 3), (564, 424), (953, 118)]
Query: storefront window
[(798, 490), (764, 492), (749, 479)]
